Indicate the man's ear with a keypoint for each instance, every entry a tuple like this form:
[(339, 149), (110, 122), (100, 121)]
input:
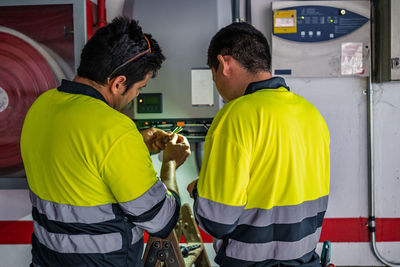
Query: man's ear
[(225, 63), (117, 85)]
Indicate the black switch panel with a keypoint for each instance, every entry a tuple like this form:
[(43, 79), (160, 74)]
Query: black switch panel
[(149, 103)]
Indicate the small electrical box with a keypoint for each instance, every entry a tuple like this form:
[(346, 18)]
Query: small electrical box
[(149, 103)]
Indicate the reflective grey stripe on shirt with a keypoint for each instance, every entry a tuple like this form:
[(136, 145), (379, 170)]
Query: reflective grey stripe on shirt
[(277, 250), (162, 218), (284, 214), (198, 219), (217, 244), (72, 214), (145, 202), (217, 212), (137, 234), (64, 243)]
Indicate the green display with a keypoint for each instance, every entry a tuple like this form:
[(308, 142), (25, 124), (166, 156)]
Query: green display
[(151, 100), (149, 103)]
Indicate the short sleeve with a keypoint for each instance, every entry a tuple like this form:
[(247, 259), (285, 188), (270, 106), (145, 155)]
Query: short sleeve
[(127, 168)]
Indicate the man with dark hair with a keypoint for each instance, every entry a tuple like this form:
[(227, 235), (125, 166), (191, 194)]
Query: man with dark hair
[(92, 183), (263, 187)]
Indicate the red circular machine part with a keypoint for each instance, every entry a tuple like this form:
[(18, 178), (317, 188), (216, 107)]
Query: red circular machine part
[(24, 75)]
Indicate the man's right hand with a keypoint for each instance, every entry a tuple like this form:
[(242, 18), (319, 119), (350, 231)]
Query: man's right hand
[(177, 149), (190, 187)]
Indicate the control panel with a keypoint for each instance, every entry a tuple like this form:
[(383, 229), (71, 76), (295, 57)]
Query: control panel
[(317, 23), (321, 38), (194, 130)]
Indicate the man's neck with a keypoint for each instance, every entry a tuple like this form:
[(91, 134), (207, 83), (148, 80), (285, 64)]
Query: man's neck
[(257, 77), (98, 87), (254, 77)]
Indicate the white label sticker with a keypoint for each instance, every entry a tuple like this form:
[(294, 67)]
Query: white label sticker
[(284, 22), (352, 59), (3, 99), (202, 87)]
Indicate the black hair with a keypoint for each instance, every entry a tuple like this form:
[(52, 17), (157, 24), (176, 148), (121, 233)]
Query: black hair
[(244, 43), (113, 45)]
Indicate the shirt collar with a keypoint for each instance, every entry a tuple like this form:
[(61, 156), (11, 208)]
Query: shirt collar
[(273, 83), (79, 88)]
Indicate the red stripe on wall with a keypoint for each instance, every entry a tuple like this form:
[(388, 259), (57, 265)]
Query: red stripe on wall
[(345, 230), (356, 230), (333, 229), (15, 232)]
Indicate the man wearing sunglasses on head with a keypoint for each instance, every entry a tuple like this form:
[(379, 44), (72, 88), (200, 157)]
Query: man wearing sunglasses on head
[(92, 183)]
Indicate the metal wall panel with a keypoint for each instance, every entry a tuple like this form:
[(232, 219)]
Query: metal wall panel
[(183, 29)]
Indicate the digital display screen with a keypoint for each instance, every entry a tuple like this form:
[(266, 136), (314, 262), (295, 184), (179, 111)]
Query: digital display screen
[(151, 100)]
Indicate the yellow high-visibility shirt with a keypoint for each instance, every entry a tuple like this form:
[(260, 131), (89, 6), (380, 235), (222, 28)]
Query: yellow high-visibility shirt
[(265, 149), (77, 150)]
